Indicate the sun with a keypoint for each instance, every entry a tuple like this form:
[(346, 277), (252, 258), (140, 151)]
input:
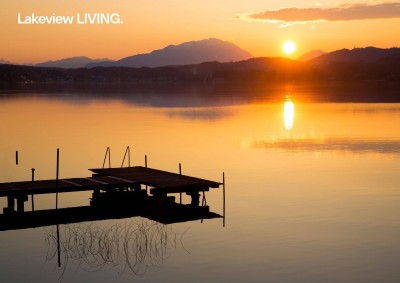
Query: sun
[(289, 47)]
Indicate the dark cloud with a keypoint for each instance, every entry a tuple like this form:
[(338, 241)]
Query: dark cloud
[(344, 12), (332, 144)]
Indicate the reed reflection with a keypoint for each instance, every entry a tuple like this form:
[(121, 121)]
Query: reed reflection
[(137, 244), (288, 113)]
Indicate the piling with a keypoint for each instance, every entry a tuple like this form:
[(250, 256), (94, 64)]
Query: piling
[(33, 179), (57, 171), (58, 246), (180, 173), (223, 193), (145, 165)]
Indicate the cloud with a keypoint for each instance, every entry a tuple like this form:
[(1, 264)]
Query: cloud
[(366, 146), (343, 12), (211, 114)]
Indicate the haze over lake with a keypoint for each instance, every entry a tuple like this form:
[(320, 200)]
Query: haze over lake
[(312, 183)]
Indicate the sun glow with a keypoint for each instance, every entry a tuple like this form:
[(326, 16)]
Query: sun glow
[(288, 113), (289, 47)]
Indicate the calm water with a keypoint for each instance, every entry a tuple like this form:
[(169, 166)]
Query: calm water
[(313, 189)]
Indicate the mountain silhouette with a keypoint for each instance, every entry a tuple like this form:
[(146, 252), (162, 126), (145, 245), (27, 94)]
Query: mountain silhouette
[(365, 55), (193, 52), (311, 55), (70, 63), (360, 64), (2, 61)]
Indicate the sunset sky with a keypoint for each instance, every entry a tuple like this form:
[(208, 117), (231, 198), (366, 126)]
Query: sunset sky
[(258, 26)]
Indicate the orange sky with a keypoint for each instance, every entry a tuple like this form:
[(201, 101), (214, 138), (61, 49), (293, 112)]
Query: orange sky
[(258, 26)]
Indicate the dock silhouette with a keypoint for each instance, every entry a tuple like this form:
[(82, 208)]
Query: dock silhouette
[(116, 193)]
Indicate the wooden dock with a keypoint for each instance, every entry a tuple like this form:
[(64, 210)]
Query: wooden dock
[(106, 183)]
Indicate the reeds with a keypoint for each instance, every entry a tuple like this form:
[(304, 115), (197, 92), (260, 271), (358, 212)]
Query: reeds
[(136, 244)]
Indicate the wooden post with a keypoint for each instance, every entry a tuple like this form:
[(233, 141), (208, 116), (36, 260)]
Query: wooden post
[(33, 179), (223, 192), (20, 203), (16, 157), (58, 246), (180, 173), (57, 171), (10, 204), (58, 232), (145, 165)]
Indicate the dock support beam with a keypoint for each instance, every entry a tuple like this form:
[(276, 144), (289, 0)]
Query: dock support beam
[(195, 195), (10, 205), (20, 203)]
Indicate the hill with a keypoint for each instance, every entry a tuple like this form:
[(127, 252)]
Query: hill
[(256, 69), (70, 63), (311, 55), (2, 61), (366, 55)]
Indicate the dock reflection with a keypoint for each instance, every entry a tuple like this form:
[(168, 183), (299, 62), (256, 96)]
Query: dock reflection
[(150, 208), (141, 240)]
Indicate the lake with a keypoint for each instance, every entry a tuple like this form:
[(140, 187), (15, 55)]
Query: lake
[(312, 185)]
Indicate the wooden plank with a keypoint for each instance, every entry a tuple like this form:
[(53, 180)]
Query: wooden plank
[(48, 186), (155, 178), (183, 189), (111, 178)]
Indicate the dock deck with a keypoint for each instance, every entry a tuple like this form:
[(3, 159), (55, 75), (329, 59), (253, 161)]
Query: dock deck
[(110, 180), (171, 182)]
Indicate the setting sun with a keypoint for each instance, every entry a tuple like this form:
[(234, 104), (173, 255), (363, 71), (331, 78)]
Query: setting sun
[(289, 47)]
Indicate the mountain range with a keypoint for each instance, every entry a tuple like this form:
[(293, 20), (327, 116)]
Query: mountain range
[(193, 52), (70, 63), (362, 55), (311, 55), (2, 61), (215, 50), (212, 60)]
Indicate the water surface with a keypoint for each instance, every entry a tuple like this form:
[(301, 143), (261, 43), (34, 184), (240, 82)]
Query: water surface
[(312, 188)]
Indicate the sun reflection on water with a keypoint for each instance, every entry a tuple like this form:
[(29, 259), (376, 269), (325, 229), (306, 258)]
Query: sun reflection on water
[(288, 113)]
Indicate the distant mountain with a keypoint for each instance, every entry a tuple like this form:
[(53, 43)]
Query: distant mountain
[(70, 63), (193, 52), (365, 55), (311, 55), (366, 64), (2, 61)]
